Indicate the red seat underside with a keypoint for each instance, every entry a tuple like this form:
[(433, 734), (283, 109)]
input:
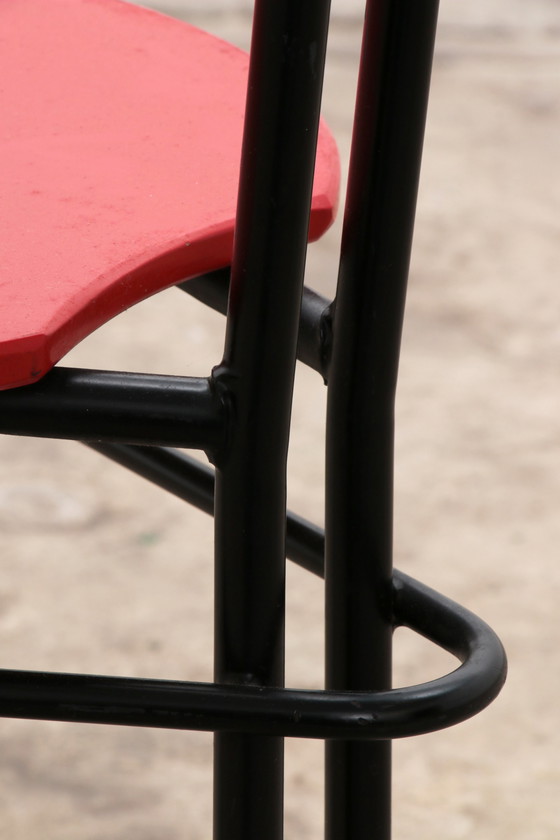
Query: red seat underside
[(120, 141)]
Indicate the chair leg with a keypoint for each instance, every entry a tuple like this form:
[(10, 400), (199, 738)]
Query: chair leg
[(256, 375), (368, 313)]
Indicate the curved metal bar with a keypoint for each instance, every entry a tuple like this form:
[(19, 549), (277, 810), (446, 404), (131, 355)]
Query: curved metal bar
[(352, 715)]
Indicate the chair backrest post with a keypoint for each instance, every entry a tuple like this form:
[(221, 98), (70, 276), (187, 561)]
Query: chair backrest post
[(384, 170), (256, 376)]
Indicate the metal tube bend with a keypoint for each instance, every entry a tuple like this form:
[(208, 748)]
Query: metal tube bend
[(344, 715)]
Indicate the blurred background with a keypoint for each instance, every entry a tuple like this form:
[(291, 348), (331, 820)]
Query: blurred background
[(104, 573)]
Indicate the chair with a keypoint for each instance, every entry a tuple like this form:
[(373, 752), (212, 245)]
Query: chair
[(120, 145)]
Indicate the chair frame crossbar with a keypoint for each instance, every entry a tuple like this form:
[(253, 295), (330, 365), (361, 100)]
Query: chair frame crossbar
[(240, 416)]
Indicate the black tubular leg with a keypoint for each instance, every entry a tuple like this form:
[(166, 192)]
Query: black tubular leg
[(256, 375), (383, 178)]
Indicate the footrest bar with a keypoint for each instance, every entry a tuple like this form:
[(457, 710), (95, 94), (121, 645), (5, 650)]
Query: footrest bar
[(257, 710)]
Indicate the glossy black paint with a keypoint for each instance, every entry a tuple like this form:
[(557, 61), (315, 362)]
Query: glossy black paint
[(412, 604), (193, 482), (240, 416), (257, 373), (136, 408), (368, 313), (171, 470), (276, 712), (315, 320)]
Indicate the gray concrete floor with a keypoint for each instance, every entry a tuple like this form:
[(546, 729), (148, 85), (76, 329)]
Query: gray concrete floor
[(102, 573)]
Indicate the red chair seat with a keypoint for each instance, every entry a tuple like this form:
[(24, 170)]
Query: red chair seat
[(119, 156)]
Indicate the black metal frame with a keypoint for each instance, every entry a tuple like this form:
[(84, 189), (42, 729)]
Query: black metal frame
[(240, 416)]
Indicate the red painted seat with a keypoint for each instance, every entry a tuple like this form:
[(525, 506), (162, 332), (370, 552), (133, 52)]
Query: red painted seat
[(119, 153)]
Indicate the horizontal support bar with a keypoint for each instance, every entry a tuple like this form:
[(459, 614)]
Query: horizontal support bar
[(315, 328), (398, 713), (266, 711), (123, 407)]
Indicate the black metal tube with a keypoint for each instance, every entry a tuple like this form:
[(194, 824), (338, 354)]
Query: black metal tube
[(314, 339), (122, 407), (384, 169), (277, 712), (411, 711), (173, 471), (281, 126), (315, 332), (193, 482), (211, 289)]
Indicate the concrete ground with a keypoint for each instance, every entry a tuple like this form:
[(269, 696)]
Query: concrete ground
[(103, 573)]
